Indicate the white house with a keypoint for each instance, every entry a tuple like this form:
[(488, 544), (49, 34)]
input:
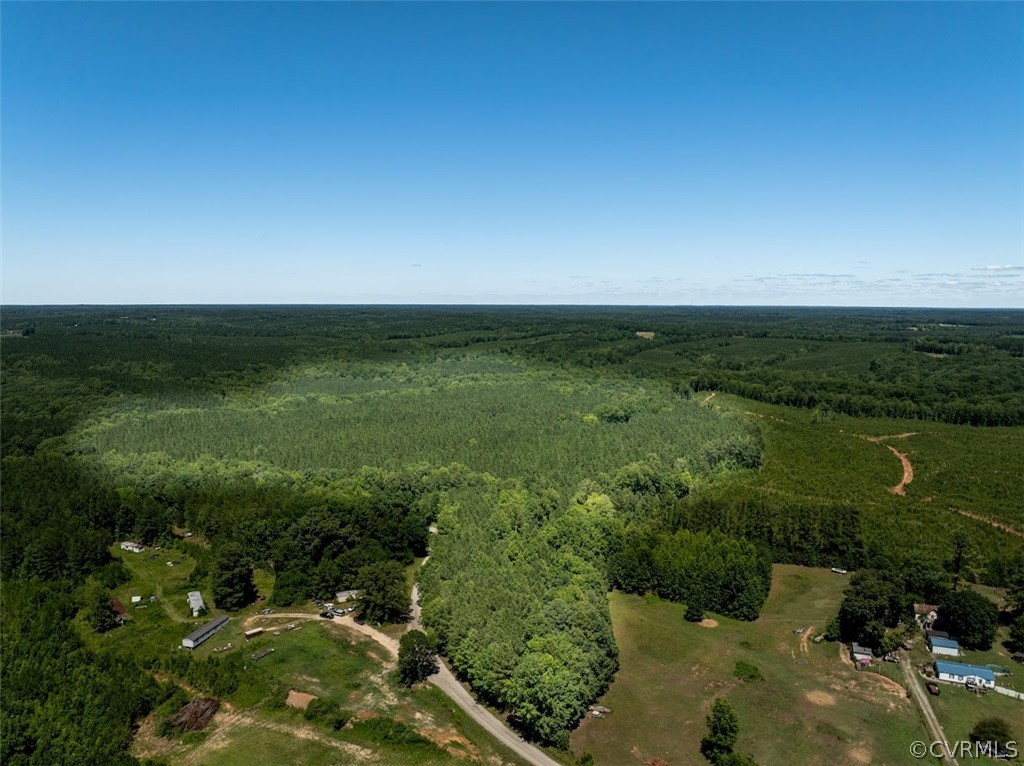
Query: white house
[(926, 614), (195, 602), (345, 595), (133, 547), (961, 673)]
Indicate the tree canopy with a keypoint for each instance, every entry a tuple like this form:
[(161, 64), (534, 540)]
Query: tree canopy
[(971, 617), (417, 657)]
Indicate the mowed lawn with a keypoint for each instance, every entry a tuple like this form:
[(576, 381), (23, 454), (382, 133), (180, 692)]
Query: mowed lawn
[(811, 707)]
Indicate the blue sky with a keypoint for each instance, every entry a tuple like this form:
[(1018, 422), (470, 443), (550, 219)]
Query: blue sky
[(730, 153)]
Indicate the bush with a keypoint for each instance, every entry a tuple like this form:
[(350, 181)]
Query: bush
[(326, 712), (747, 672), (387, 731)]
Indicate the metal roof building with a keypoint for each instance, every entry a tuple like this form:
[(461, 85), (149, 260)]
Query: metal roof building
[(962, 673), (203, 632), (946, 646), (195, 602)]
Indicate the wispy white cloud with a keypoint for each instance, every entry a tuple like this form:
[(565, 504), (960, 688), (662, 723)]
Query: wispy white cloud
[(998, 268)]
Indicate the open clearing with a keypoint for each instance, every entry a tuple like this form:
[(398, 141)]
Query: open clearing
[(811, 708)]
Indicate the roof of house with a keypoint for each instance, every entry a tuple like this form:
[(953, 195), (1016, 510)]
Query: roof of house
[(925, 608), (963, 669), (936, 634), (858, 649), (208, 627), (195, 599), (946, 643)]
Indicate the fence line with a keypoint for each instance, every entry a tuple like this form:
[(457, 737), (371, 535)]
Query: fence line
[(1010, 692)]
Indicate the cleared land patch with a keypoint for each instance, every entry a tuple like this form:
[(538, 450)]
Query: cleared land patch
[(810, 708)]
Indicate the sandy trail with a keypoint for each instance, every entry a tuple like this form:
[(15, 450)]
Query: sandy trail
[(876, 439), (227, 720), (908, 472), (991, 522), (925, 706)]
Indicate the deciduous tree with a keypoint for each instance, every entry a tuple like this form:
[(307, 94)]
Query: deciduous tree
[(417, 657), (384, 597), (970, 617)]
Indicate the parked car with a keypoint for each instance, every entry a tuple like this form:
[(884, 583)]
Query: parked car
[(327, 615), (933, 688)]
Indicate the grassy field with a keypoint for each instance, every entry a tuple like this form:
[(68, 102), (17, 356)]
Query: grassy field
[(958, 710), (812, 707), (487, 413), (317, 657)]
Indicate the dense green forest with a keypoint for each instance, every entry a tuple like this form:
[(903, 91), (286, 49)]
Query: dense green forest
[(558, 453)]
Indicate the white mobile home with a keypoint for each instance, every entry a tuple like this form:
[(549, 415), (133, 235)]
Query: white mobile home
[(961, 673), (200, 634)]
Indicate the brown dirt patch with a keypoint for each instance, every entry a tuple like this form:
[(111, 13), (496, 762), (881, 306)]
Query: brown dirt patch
[(805, 638), (709, 397), (859, 755), (823, 699), (299, 700), (707, 622), (450, 740), (893, 686), (656, 761), (908, 472), (147, 744), (844, 655), (645, 335)]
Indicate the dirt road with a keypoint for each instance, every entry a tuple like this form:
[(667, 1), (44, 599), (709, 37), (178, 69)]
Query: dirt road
[(444, 680), (908, 472), (991, 522), (931, 722)]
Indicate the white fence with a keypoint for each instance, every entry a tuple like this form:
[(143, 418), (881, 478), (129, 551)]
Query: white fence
[(1010, 693)]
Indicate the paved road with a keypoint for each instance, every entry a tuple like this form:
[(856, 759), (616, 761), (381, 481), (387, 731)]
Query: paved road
[(445, 680), (925, 706)]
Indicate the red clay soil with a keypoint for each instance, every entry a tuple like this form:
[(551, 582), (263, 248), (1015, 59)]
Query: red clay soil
[(908, 472)]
